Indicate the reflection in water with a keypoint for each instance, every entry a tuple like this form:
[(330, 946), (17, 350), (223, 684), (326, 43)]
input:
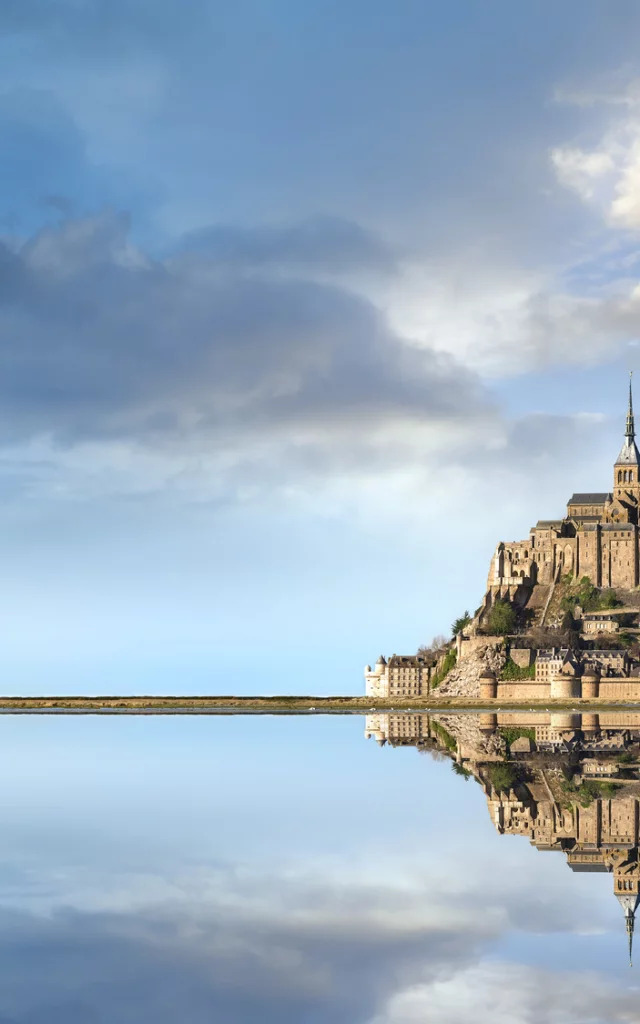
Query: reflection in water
[(568, 781)]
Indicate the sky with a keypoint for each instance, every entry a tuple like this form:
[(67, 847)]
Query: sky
[(303, 308), (281, 869)]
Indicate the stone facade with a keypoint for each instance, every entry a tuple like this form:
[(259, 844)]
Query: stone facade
[(406, 675)]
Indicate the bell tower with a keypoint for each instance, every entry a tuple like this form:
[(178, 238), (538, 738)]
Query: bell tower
[(626, 472)]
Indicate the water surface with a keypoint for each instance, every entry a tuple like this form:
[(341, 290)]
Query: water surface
[(240, 869)]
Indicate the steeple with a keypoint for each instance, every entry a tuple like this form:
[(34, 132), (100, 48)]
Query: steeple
[(629, 903), (629, 454), (630, 432)]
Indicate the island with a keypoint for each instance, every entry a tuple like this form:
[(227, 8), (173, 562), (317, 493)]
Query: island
[(560, 618)]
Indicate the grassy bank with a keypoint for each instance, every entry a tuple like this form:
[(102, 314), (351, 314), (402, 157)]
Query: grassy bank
[(284, 704)]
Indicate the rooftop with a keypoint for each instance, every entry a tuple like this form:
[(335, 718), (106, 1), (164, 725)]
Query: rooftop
[(591, 498)]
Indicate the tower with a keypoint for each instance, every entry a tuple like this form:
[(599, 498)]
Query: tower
[(629, 903), (626, 472), (626, 885)]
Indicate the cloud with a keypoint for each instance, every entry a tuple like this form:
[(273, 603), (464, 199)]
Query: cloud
[(236, 946), (98, 339), (331, 244), (607, 174), (298, 955), (506, 993)]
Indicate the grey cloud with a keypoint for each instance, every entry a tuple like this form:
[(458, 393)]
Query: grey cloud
[(327, 243), (98, 339), (230, 966), (307, 954)]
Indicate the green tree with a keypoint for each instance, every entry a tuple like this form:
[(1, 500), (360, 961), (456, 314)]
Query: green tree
[(460, 623), (502, 776), (461, 770), (502, 618)]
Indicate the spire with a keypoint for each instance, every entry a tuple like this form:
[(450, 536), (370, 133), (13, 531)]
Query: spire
[(630, 432), (629, 903), (629, 455)]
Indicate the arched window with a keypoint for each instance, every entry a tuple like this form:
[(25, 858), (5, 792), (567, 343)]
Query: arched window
[(626, 475), (630, 476), (619, 476)]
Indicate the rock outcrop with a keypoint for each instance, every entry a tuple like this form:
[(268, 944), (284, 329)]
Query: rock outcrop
[(464, 679)]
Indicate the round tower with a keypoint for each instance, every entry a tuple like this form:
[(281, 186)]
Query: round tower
[(565, 721), (590, 685), (488, 721), (591, 724), (488, 685), (565, 686)]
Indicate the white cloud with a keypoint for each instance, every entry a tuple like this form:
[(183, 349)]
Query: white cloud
[(607, 174), (507, 993), (581, 171)]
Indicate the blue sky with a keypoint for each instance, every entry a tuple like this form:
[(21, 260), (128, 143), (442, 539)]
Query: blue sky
[(302, 308)]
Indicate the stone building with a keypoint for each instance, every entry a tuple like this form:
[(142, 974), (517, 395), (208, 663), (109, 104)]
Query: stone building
[(405, 675), (599, 622), (598, 537)]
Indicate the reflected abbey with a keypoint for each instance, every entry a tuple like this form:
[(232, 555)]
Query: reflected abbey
[(570, 782)]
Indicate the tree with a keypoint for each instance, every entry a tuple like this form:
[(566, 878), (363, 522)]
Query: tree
[(435, 648), (503, 777), (502, 618), (461, 623), (568, 621)]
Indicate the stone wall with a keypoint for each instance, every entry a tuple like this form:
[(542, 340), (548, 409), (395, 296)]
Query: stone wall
[(523, 657), (522, 689)]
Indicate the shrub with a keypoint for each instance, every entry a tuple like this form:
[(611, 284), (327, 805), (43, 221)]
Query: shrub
[(511, 733), (502, 777), (513, 671), (502, 618), (445, 737), (461, 770), (445, 668), (590, 790)]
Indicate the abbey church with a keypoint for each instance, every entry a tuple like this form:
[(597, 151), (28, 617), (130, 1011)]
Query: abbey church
[(597, 538)]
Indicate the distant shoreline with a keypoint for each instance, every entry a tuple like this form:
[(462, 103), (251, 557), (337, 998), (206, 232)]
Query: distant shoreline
[(226, 705)]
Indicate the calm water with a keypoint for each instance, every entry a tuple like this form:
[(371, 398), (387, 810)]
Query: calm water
[(290, 870)]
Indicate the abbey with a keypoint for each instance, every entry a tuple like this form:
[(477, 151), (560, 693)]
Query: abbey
[(597, 538), (590, 557)]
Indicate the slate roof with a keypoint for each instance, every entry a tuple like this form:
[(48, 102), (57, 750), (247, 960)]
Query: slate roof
[(593, 498), (629, 455)]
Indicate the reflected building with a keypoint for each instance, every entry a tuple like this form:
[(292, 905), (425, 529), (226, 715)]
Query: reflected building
[(569, 782)]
